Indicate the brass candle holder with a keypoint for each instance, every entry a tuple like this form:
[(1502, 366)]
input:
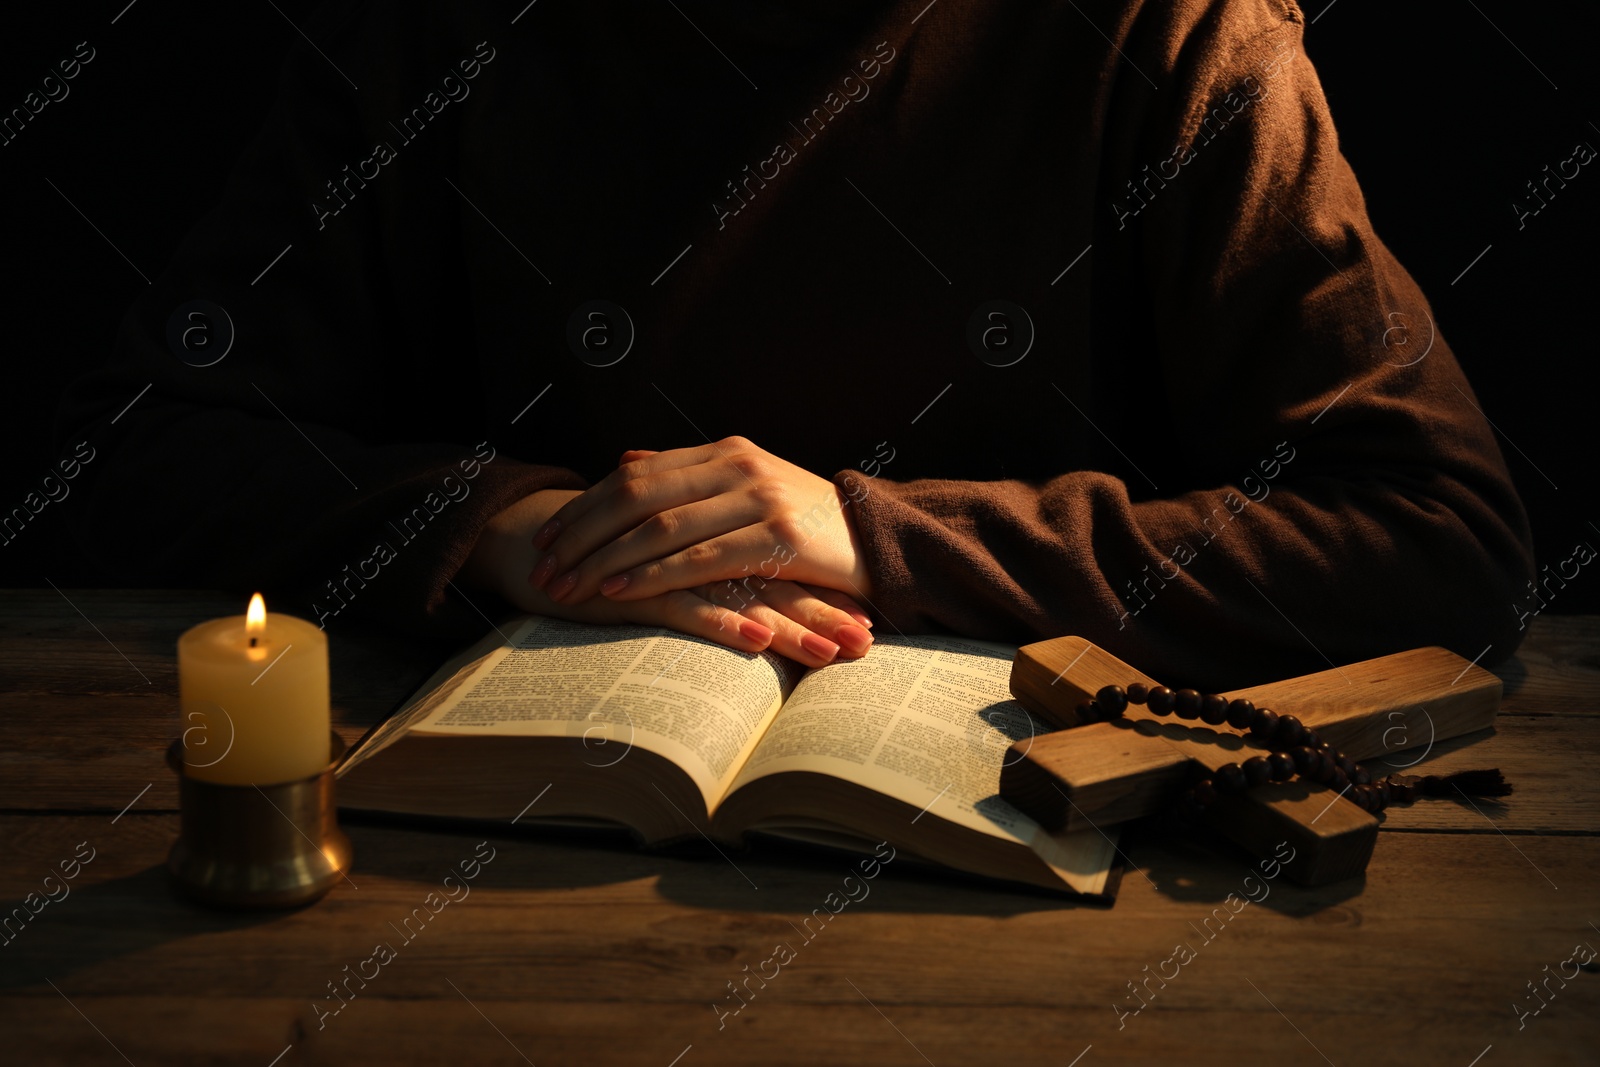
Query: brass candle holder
[(258, 847)]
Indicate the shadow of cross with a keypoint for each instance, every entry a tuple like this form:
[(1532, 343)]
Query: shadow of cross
[(1099, 774)]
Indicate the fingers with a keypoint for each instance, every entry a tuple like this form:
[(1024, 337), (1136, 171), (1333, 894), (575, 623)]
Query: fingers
[(656, 537), (629, 470), (795, 618), (801, 606), (786, 618), (681, 610), (791, 639), (844, 602), (743, 553), (692, 614), (615, 511)]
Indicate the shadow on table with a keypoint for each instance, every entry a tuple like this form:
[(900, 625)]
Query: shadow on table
[(1513, 673), (123, 918), (99, 921), (1207, 869), (793, 877), (767, 876)]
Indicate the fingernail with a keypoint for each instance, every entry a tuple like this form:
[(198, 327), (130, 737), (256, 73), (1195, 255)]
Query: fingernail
[(543, 572), (820, 647), (862, 619), (754, 631), (854, 640), (614, 585), (542, 539), (562, 586)]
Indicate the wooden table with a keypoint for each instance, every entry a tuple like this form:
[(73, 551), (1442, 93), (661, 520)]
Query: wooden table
[(571, 950)]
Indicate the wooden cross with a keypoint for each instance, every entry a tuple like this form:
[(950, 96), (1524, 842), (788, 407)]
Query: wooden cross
[(1103, 773)]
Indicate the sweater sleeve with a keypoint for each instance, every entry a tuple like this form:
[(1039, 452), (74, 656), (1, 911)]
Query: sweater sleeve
[(1339, 493), (314, 434)]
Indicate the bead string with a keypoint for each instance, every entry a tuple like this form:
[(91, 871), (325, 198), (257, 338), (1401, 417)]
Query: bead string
[(1296, 750)]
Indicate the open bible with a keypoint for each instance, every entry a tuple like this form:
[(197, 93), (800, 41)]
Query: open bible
[(677, 737)]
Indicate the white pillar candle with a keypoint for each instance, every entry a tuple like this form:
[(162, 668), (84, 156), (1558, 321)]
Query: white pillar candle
[(253, 696)]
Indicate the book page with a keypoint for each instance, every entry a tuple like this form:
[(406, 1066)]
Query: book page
[(926, 720), (699, 704), (437, 689)]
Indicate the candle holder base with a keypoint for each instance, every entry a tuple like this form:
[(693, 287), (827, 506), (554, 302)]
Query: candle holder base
[(248, 847)]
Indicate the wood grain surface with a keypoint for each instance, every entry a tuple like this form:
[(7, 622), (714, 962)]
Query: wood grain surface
[(577, 948)]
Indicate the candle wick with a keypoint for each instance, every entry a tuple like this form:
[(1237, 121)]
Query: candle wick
[(253, 642)]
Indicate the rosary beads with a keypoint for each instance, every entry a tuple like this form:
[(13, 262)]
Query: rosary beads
[(1294, 749)]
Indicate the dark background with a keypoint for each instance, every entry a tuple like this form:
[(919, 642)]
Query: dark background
[(1444, 114)]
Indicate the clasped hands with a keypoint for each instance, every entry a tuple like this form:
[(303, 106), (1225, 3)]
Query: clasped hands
[(724, 541)]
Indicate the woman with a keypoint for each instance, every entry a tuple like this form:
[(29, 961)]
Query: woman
[(1011, 320)]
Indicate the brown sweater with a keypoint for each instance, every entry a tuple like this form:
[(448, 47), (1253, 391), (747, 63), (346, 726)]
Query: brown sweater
[(1234, 447)]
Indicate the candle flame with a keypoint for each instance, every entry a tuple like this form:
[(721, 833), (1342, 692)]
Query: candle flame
[(255, 619)]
